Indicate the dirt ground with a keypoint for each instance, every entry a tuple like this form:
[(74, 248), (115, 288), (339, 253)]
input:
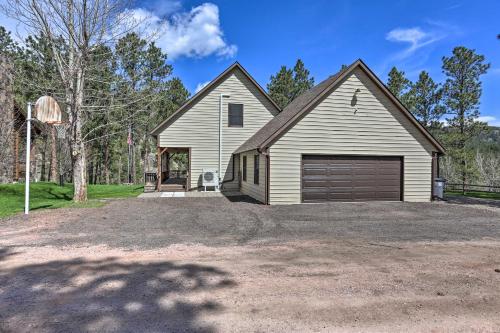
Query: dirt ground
[(210, 265)]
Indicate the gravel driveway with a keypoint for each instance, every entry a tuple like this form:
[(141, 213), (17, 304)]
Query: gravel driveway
[(211, 265), (156, 223)]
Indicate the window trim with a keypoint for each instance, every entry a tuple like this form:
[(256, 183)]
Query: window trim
[(256, 169), (229, 115), (244, 168)]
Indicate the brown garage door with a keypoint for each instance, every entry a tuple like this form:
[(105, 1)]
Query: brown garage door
[(351, 178)]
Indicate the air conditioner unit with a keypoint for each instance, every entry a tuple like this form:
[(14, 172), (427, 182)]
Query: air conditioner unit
[(210, 178)]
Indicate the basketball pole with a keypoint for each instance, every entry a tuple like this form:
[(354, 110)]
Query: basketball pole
[(28, 148)]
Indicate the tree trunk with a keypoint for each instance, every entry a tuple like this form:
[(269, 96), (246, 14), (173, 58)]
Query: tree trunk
[(32, 162), (462, 147), (133, 168), (96, 170), (79, 158), (146, 152), (44, 160), (106, 161), (463, 176), (16, 155), (53, 155), (90, 171), (120, 169), (79, 175)]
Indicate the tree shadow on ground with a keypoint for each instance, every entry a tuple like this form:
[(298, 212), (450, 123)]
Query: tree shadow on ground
[(107, 295), (59, 196)]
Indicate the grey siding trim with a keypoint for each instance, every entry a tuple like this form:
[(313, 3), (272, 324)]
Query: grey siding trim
[(197, 127), (258, 192), (333, 127)]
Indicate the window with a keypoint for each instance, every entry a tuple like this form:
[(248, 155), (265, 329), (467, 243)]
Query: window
[(256, 169), (235, 115), (244, 168)]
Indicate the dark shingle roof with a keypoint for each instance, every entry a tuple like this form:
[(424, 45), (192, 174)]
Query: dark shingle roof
[(288, 113), (304, 103), (174, 116)]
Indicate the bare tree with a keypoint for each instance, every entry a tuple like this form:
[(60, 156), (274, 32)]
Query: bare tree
[(6, 121), (448, 169), (83, 25), (488, 166)]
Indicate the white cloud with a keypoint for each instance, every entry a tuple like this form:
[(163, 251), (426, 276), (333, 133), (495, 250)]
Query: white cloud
[(412, 35), (201, 86), (416, 37), (196, 33), (492, 121)]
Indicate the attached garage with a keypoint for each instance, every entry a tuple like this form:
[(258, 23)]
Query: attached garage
[(346, 139), (351, 178)]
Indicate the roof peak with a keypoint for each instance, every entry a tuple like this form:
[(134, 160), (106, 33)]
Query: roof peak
[(270, 132), (209, 86)]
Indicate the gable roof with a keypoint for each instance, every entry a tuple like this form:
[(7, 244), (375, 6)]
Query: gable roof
[(299, 107), (236, 65)]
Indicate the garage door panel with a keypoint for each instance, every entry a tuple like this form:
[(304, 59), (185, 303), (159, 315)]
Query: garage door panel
[(315, 197), (364, 195), (310, 173), (341, 184), (311, 184), (351, 178)]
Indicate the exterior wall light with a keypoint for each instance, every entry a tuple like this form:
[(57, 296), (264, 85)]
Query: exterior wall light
[(354, 100)]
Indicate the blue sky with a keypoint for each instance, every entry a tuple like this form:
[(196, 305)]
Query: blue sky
[(412, 35), (203, 38)]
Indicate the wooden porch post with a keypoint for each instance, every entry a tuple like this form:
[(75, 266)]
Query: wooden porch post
[(168, 165), (158, 173)]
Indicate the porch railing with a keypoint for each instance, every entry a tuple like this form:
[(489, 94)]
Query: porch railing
[(150, 177), (177, 174)]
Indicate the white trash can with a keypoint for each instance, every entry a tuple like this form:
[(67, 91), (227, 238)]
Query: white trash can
[(439, 187)]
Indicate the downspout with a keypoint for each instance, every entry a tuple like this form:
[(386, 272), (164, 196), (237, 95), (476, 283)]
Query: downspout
[(220, 137), (266, 172)]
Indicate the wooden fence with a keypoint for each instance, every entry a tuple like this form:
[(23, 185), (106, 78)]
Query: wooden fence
[(472, 188)]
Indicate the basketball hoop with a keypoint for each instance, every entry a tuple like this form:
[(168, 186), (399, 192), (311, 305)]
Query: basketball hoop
[(47, 110), (60, 130)]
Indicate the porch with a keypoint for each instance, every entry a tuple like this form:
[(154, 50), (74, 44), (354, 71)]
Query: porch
[(173, 169)]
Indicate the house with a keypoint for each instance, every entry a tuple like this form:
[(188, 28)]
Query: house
[(13, 129), (346, 139)]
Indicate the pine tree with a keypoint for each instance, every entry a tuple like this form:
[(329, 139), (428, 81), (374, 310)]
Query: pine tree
[(399, 85), (462, 91), (301, 79), (8, 47), (288, 84), (281, 87), (427, 104)]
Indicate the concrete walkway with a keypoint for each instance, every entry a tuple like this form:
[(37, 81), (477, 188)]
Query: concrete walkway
[(193, 194)]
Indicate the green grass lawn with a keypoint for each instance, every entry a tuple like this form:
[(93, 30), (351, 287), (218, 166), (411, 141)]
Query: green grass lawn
[(483, 195), (50, 195)]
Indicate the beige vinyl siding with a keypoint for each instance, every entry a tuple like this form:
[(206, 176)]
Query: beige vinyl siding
[(197, 127), (377, 128), (258, 192)]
